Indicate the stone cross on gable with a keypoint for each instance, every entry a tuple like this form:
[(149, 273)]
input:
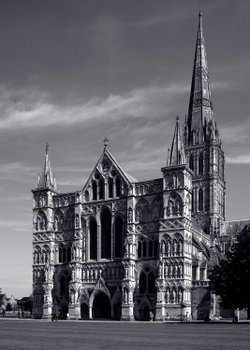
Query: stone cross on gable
[(106, 141)]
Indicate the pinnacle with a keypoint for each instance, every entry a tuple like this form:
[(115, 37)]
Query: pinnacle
[(46, 178), (176, 155)]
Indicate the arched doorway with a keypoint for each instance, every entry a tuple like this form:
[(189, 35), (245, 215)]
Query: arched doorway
[(84, 311), (145, 313), (101, 306), (64, 295), (117, 311)]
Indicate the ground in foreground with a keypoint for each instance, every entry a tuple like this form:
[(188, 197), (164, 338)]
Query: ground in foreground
[(62, 335)]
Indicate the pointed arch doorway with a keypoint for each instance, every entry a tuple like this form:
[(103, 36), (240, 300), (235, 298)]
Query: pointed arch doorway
[(101, 306)]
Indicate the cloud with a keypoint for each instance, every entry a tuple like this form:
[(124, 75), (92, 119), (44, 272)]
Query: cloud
[(241, 159), (20, 110)]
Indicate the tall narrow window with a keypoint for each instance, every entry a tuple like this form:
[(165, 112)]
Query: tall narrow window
[(60, 254), (101, 189), (93, 239), (110, 187), (144, 249), (191, 162), (150, 249), (139, 249), (106, 234), (68, 254), (200, 199), (64, 255), (155, 248), (94, 190), (87, 196), (201, 164), (118, 237), (118, 187), (192, 201)]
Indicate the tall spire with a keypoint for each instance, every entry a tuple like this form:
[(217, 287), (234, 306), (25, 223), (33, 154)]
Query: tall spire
[(200, 112), (46, 178), (176, 155)]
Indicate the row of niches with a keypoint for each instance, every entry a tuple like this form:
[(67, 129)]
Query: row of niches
[(172, 247), (42, 255), (66, 253), (174, 180), (112, 273), (60, 222), (174, 296), (172, 271), (41, 200)]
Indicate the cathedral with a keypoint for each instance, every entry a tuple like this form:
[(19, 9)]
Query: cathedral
[(136, 250)]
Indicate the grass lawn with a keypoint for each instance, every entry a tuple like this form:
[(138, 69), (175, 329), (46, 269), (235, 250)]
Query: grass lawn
[(39, 335)]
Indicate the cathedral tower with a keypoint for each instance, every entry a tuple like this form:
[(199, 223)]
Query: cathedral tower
[(203, 147), (175, 236), (43, 242)]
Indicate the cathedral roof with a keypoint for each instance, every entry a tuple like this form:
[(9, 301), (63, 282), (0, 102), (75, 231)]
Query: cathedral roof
[(46, 178), (176, 155), (234, 227)]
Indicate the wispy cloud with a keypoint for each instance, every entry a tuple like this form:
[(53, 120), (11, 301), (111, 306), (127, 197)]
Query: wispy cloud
[(161, 19), (20, 111)]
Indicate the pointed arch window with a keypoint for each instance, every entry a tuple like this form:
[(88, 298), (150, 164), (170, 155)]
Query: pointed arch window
[(68, 254), (201, 199), (155, 248), (150, 249), (118, 237), (144, 249), (118, 186), (106, 234), (110, 183), (93, 239), (191, 162), (60, 254), (139, 249), (94, 190), (201, 166), (192, 201), (87, 196), (101, 189)]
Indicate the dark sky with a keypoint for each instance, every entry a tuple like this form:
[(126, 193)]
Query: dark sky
[(73, 72)]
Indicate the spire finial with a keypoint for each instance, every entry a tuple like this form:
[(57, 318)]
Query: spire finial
[(105, 142), (200, 13), (177, 119), (46, 178)]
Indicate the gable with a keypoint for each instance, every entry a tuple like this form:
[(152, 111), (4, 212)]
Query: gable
[(108, 171)]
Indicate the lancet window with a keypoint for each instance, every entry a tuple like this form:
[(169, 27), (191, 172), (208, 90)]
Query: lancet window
[(93, 239)]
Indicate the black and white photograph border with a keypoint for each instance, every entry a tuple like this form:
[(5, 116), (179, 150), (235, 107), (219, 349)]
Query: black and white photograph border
[(125, 161)]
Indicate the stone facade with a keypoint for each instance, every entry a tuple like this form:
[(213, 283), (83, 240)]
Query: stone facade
[(125, 249)]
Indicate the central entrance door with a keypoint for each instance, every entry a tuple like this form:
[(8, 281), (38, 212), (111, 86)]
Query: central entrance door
[(101, 306)]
